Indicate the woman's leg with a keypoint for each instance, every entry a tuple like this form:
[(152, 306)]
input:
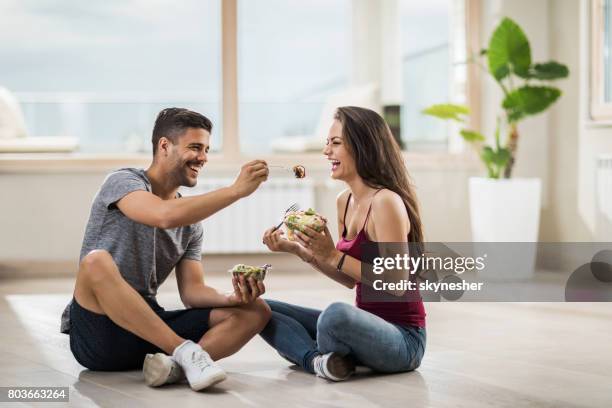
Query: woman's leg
[(292, 331), (374, 342)]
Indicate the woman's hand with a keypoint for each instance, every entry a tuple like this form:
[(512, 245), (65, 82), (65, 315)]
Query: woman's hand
[(276, 243), (320, 243)]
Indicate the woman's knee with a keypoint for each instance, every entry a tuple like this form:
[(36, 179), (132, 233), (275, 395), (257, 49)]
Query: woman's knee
[(335, 316), (273, 304), (278, 306)]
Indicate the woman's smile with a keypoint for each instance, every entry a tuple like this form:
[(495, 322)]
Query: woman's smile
[(334, 164)]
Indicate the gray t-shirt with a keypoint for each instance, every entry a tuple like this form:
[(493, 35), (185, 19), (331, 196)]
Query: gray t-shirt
[(144, 255)]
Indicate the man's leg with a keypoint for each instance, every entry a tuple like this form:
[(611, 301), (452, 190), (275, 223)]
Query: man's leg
[(232, 327), (100, 288), (221, 332), (229, 329)]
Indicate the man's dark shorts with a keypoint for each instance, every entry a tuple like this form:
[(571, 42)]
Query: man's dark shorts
[(99, 344)]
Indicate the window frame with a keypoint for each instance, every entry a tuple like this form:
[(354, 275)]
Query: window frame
[(474, 73), (229, 67), (231, 151), (600, 109)]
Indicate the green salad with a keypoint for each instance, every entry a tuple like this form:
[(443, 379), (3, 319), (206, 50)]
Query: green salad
[(297, 220), (248, 271)]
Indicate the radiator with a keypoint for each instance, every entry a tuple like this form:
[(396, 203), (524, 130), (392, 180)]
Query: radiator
[(604, 196), (240, 227)]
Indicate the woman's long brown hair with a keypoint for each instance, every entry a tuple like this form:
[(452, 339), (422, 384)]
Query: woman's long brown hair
[(379, 159)]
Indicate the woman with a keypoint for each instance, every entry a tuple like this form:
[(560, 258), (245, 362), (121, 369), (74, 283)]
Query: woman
[(378, 206)]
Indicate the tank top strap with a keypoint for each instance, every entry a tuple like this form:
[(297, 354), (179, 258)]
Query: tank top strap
[(365, 223), (345, 210)]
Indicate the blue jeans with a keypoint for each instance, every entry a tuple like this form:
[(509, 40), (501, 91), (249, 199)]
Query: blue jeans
[(299, 334)]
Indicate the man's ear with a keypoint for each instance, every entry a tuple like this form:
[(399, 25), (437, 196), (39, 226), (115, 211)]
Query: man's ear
[(163, 146)]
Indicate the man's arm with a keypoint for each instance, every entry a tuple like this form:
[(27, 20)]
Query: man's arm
[(149, 209), (195, 293), (192, 289)]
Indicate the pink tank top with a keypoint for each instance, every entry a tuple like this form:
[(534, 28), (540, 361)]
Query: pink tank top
[(409, 313)]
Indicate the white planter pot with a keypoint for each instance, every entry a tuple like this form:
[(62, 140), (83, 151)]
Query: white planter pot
[(506, 210)]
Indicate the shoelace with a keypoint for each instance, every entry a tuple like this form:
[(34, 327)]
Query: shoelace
[(202, 360)]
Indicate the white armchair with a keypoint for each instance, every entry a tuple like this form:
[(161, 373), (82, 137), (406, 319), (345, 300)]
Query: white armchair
[(14, 136)]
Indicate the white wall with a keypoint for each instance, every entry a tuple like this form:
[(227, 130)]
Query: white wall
[(563, 223), (44, 214), (576, 141)]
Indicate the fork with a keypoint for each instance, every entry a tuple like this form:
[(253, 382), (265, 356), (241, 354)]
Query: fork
[(281, 167), (297, 171), (294, 207)]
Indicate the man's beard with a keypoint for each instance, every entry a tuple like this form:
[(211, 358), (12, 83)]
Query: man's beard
[(180, 176)]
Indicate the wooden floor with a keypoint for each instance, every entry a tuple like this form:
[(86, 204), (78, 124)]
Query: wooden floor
[(478, 355)]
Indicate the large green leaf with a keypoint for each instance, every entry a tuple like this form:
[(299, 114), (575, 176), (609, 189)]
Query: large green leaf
[(529, 100), (498, 157), (472, 136), (448, 111), (487, 154), (502, 157), (508, 50), (548, 71), (495, 160)]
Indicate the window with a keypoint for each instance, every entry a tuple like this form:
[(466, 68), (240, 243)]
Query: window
[(292, 55), (601, 51), (100, 71), (433, 67)]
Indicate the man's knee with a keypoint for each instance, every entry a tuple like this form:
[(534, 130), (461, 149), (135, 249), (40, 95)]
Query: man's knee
[(263, 312), (257, 313), (96, 266), (335, 316)]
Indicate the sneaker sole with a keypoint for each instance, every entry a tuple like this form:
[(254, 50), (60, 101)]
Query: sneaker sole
[(156, 369), (209, 382)]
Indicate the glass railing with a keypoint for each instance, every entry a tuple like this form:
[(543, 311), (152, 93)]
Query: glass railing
[(427, 80), (268, 127), (109, 123)]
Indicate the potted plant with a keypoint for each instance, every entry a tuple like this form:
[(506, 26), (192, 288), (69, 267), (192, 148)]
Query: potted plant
[(503, 209)]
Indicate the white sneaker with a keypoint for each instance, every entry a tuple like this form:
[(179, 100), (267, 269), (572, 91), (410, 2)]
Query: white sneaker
[(334, 367), (201, 371), (160, 369)]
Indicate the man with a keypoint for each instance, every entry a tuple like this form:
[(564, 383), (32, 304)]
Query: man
[(139, 229)]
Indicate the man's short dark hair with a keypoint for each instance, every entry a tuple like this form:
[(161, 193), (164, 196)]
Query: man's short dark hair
[(172, 123)]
